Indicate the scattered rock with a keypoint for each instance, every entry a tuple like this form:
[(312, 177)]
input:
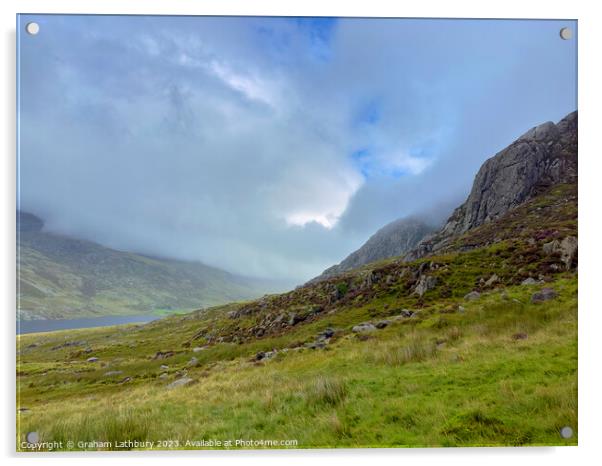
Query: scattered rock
[(567, 249), (320, 344), (363, 328), (68, 344), (461, 309), (325, 334), (323, 338), (193, 362), (370, 279), (164, 376), (492, 280), (529, 281), (92, 359), (364, 337), (403, 314), (113, 373), (125, 380), (263, 355), (425, 283), (544, 295), (519, 336), (198, 349), (472, 296), (424, 267), (163, 354), (551, 247), (382, 324), (294, 319), (180, 382), (164, 367)]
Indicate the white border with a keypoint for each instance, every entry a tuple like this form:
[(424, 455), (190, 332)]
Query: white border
[(590, 106)]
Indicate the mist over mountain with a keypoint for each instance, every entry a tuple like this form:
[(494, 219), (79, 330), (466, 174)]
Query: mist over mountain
[(270, 147), (394, 239), (65, 277), (213, 165), (544, 156)]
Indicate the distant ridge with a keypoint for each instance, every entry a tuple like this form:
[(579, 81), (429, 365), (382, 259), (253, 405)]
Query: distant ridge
[(65, 277), (394, 239)]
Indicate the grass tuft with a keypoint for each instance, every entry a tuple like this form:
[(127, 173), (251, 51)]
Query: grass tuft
[(417, 349), (327, 390)]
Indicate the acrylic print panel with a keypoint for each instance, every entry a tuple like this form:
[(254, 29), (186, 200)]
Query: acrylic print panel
[(249, 232)]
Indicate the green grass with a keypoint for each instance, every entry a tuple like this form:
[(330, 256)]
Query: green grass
[(415, 383), (499, 370)]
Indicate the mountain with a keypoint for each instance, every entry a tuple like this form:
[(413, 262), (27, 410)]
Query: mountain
[(544, 156), (394, 239), (474, 343), (64, 277)]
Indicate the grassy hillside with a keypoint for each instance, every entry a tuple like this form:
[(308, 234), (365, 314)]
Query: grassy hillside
[(440, 367), (63, 277)]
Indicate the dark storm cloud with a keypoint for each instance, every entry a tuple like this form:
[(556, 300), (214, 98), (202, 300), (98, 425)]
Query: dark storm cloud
[(271, 147)]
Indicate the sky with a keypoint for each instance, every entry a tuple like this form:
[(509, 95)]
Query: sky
[(271, 147)]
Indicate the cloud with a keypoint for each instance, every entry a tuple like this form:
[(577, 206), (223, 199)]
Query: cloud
[(270, 147)]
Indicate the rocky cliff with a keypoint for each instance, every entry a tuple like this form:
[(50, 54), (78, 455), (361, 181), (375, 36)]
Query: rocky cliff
[(544, 156)]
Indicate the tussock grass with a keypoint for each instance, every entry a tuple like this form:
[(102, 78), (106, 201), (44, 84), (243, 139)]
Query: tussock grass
[(395, 389), (454, 334), (110, 424), (475, 425), (416, 348), (327, 390)]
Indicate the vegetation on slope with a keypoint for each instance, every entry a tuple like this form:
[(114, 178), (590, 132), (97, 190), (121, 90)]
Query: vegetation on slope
[(476, 346), (64, 277)]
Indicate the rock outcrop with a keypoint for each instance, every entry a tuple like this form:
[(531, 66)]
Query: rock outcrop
[(544, 156), (566, 249)]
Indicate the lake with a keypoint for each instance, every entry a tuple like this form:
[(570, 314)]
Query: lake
[(32, 326)]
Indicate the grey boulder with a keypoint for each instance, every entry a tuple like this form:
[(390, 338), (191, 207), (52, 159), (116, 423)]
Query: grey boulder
[(544, 295), (529, 281), (180, 382), (363, 328), (472, 296)]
